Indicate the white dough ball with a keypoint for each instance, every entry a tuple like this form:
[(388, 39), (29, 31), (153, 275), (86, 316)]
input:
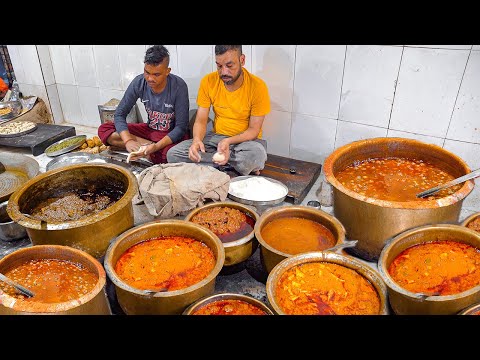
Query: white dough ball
[(218, 157)]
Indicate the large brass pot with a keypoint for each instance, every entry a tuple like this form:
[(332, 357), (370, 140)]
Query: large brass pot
[(142, 302), (331, 257), (238, 250), (404, 302), (372, 221), (93, 303), (271, 256), (91, 233)]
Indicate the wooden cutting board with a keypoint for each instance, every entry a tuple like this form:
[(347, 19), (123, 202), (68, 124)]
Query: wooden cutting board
[(37, 141)]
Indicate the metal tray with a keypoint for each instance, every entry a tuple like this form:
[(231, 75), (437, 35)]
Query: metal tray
[(80, 140), (19, 133), (256, 202)]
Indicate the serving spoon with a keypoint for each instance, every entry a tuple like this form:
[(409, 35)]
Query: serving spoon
[(17, 286), (472, 175)]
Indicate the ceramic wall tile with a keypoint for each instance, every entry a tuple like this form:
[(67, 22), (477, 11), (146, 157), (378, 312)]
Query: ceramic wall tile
[(68, 95), (476, 47), (348, 132), (427, 87), (369, 82), (172, 50), (276, 131), (275, 65), (84, 65), (453, 47), (17, 63), (55, 105), (31, 64), (108, 94), (194, 62), (424, 138), (312, 138), (465, 123), (89, 98), (318, 80), (46, 64), (469, 153), (107, 66), (131, 62), (62, 64)]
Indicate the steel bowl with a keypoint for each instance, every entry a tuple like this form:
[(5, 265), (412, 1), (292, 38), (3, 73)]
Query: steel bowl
[(91, 233), (94, 302), (404, 302), (197, 305), (471, 310), (238, 250), (270, 256), (142, 302), (9, 229), (331, 257)]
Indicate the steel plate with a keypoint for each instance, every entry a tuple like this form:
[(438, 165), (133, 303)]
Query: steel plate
[(19, 169), (255, 202), (80, 140), (19, 133)]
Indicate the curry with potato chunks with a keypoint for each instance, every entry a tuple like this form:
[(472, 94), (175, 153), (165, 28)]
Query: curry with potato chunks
[(229, 307)]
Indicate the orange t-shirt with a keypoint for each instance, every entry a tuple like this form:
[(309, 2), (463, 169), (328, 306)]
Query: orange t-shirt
[(233, 109), (3, 86)]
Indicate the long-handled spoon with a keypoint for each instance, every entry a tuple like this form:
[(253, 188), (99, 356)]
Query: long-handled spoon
[(17, 286), (472, 175)]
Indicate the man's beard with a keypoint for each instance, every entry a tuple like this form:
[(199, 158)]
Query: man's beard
[(230, 81)]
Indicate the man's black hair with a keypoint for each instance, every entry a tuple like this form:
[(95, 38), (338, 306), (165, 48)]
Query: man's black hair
[(156, 54), (222, 49)]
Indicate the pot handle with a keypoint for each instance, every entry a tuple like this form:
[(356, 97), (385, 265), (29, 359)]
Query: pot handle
[(346, 244)]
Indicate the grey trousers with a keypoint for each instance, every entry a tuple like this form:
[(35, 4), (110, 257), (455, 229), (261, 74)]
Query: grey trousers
[(244, 157)]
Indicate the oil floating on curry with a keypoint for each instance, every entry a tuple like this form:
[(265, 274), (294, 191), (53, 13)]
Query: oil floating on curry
[(294, 235), (437, 268), (322, 288), (395, 179), (165, 263)]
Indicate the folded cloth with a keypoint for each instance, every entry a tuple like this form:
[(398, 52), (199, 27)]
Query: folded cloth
[(175, 189)]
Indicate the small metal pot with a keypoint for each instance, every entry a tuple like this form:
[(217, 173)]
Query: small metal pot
[(142, 302), (404, 302), (469, 219), (331, 257), (91, 233), (93, 303), (197, 305), (471, 310), (373, 221), (271, 256), (9, 229), (238, 250)]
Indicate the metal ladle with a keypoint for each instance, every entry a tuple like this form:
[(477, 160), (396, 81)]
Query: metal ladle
[(17, 286), (472, 175)]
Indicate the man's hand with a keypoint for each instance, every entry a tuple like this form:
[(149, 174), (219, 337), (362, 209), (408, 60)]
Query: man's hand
[(150, 148), (131, 145), (193, 151), (223, 148)]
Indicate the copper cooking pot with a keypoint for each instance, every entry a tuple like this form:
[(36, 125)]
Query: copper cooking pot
[(405, 302), (331, 257), (143, 302), (238, 250), (91, 233), (94, 302), (271, 256), (373, 221)]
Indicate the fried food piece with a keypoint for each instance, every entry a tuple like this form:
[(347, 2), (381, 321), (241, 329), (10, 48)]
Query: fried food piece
[(97, 141)]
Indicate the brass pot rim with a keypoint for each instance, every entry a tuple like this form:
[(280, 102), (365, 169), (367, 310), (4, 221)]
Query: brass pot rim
[(329, 162), (243, 207), (13, 208), (30, 306), (391, 284), (475, 308), (308, 209), (197, 305), (470, 219), (109, 267), (326, 256)]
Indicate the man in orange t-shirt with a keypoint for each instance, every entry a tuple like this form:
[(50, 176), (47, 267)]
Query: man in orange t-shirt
[(240, 102), (3, 88)]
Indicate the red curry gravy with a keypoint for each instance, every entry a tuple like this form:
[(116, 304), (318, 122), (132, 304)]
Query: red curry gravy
[(165, 263), (294, 235), (52, 280), (395, 179), (229, 307), (437, 268)]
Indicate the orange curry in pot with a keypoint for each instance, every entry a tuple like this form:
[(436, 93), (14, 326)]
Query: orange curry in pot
[(474, 224), (52, 280), (165, 263), (322, 288), (437, 268), (294, 235), (227, 223), (395, 179), (229, 307)]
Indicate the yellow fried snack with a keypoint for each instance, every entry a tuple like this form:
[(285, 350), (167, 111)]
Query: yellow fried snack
[(90, 143), (97, 141)]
